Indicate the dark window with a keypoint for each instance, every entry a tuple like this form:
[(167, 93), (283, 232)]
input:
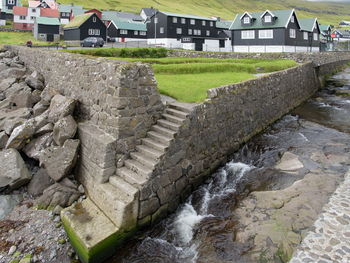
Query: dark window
[(222, 43)]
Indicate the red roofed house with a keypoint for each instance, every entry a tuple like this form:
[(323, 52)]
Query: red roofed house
[(97, 12), (47, 12)]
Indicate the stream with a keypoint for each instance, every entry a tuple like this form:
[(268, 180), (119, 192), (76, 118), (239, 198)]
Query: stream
[(232, 217)]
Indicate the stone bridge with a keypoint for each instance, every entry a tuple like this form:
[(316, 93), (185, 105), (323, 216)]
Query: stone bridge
[(140, 158)]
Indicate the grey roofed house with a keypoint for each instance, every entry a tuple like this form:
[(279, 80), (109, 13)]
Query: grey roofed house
[(147, 12), (76, 9), (342, 33), (113, 15), (308, 24)]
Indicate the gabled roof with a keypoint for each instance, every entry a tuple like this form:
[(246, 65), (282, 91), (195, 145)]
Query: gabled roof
[(308, 24), (33, 4), (267, 11), (76, 9), (79, 20), (48, 21), (129, 25), (112, 15), (187, 16), (325, 27), (246, 13), (149, 11), (48, 12), (223, 24), (51, 3), (282, 19), (20, 10)]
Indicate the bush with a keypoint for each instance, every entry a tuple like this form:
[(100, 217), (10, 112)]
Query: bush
[(123, 52)]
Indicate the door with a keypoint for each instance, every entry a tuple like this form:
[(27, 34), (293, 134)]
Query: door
[(49, 37), (198, 44)]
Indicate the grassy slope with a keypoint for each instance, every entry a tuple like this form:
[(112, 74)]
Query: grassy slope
[(226, 8), (19, 38)]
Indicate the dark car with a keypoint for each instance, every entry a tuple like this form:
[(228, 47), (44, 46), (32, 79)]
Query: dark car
[(93, 42)]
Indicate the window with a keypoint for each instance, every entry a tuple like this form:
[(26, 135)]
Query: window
[(174, 19), (197, 32), (292, 19), (267, 19), (315, 36), (192, 22), (203, 23), (292, 33), (208, 33), (123, 32), (97, 32), (305, 35), (11, 2), (33, 10), (94, 19), (211, 23), (22, 17), (248, 34), (183, 20), (136, 32), (161, 30), (178, 30), (32, 18), (186, 39), (246, 20), (266, 34), (190, 31), (156, 20), (221, 43), (142, 33)]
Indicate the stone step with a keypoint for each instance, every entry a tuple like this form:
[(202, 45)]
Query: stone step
[(164, 131), (173, 118), (143, 159), (154, 144), (159, 137), (150, 152), (168, 124), (131, 177), (122, 186), (176, 113), (138, 167), (181, 106)]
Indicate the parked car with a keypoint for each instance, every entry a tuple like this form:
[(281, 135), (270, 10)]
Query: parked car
[(93, 42)]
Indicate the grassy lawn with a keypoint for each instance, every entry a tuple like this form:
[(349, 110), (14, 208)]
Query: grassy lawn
[(14, 38)]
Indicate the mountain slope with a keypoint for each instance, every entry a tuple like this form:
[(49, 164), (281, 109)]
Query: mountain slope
[(327, 12)]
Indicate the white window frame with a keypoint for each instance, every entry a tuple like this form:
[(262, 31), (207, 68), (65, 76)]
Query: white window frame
[(123, 31), (174, 20), (248, 34), (211, 23), (161, 30), (156, 20), (11, 2), (292, 33), (183, 20), (94, 19), (192, 22), (22, 17), (246, 20), (208, 33), (292, 19), (186, 39), (315, 37), (143, 33), (32, 18), (306, 35), (267, 19), (266, 34), (97, 32), (179, 30), (136, 33), (204, 23), (190, 31)]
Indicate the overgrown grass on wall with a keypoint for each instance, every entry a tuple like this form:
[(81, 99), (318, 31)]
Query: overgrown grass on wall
[(122, 52)]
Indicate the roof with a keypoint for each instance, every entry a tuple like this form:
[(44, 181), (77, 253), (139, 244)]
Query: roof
[(33, 4), (20, 10), (48, 12), (76, 9), (223, 24), (282, 19), (129, 25), (51, 3), (325, 27), (307, 24), (78, 20), (48, 21), (149, 11), (187, 16), (112, 15)]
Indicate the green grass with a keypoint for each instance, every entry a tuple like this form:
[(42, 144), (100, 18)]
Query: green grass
[(326, 12), (193, 87), (122, 52), (14, 38)]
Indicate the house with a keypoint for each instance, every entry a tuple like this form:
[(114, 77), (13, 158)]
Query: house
[(267, 31), (83, 26), (7, 6), (94, 11), (342, 35), (24, 17), (43, 4), (108, 16), (147, 13), (68, 12), (310, 30), (2, 18), (123, 30), (47, 29), (326, 32), (190, 32), (344, 23)]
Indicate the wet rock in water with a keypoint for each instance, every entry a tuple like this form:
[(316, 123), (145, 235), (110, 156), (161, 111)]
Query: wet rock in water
[(11, 119), (35, 147), (21, 134), (60, 107), (58, 160), (3, 140), (64, 129), (40, 181), (13, 171), (7, 203), (35, 80), (289, 162), (61, 194)]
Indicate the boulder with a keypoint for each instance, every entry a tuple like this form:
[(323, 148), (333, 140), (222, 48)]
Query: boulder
[(3, 140), (289, 162), (17, 73), (7, 83), (40, 181), (35, 81), (60, 107), (64, 129), (39, 108), (21, 134), (60, 160), (12, 119), (47, 95), (13, 171), (21, 99), (35, 147), (45, 129), (8, 203), (62, 194), (36, 96)]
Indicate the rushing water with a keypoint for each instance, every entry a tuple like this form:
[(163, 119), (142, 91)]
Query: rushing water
[(207, 219)]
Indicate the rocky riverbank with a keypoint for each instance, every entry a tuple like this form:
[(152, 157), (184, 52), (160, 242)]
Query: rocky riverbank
[(38, 153)]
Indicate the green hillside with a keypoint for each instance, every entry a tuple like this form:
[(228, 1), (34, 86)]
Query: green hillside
[(328, 13)]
